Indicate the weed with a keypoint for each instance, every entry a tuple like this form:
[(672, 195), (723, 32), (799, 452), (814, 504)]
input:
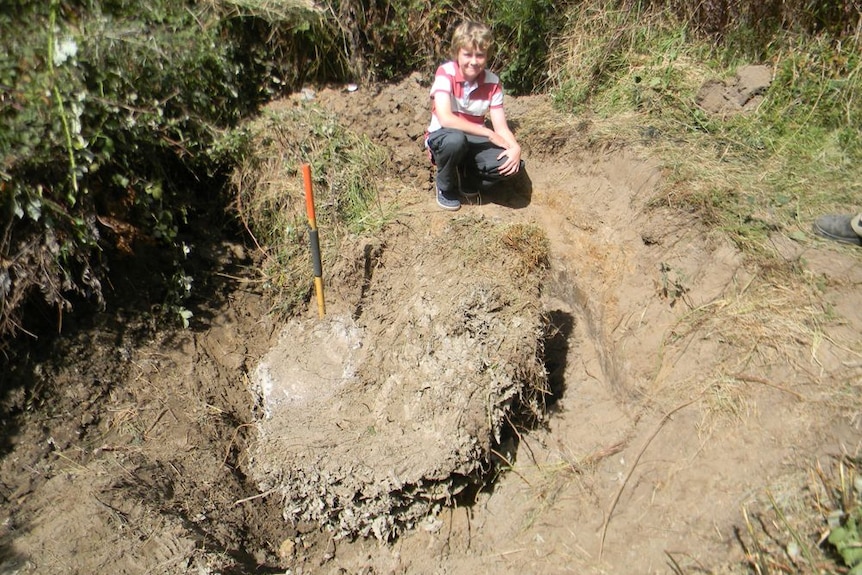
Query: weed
[(844, 514), (673, 288), (788, 537)]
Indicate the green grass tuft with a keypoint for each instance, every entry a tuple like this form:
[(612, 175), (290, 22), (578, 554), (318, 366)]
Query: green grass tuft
[(769, 170), (271, 196)]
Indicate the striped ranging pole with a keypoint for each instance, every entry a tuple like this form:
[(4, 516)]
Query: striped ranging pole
[(314, 239)]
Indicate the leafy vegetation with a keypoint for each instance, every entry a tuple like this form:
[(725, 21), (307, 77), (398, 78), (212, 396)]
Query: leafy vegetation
[(815, 532), (109, 115), (114, 116), (843, 511), (640, 66)]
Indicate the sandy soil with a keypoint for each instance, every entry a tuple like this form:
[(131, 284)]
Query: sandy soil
[(688, 389)]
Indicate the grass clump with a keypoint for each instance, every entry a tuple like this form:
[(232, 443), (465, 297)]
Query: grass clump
[(812, 532), (270, 196), (638, 68), (529, 244)]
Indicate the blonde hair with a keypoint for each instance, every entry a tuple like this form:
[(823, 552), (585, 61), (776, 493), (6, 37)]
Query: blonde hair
[(471, 35)]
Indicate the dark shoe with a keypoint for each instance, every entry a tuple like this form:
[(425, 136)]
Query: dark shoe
[(841, 228), (447, 202)]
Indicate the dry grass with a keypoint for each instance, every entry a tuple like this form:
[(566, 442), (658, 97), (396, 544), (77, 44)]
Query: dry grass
[(526, 243), (789, 529), (771, 340), (126, 421), (552, 480), (769, 315), (529, 244), (635, 73), (270, 194), (269, 10), (770, 318)]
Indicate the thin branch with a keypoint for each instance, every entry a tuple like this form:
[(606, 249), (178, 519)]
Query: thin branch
[(622, 487), (253, 497)]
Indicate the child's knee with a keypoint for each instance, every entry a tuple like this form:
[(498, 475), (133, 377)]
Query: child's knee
[(454, 142)]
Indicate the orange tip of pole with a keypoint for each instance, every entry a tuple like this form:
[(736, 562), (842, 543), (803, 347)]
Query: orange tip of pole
[(309, 194)]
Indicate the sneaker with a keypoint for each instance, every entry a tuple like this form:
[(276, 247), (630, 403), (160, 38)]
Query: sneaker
[(841, 228), (446, 202)]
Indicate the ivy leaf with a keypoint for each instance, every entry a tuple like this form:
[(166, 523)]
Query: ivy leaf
[(154, 190), (185, 315), (34, 209)]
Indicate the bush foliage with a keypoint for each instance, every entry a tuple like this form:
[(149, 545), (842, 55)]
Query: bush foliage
[(110, 110)]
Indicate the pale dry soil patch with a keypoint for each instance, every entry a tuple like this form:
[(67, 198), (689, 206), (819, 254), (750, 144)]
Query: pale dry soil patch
[(689, 387)]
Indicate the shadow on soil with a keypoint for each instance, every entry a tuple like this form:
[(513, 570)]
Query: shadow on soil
[(559, 329), (561, 325), (56, 384), (516, 193)]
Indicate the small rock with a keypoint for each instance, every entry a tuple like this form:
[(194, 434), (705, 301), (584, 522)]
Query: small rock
[(285, 550), (329, 554)]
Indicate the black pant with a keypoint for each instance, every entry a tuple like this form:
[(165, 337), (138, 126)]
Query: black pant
[(464, 161)]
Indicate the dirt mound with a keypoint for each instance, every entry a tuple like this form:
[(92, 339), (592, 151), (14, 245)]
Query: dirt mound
[(743, 94), (692, 390), (372, 419)]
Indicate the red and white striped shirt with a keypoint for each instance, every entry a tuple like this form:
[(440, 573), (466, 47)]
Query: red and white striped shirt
[(470, 100)]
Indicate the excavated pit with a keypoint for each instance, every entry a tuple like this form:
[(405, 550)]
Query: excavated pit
[(369, 422)]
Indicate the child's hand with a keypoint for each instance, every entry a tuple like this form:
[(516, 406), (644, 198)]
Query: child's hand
[(513, 160), (511, 151)]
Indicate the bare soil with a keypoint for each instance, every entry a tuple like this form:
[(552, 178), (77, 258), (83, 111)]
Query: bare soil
[(688, 386)]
